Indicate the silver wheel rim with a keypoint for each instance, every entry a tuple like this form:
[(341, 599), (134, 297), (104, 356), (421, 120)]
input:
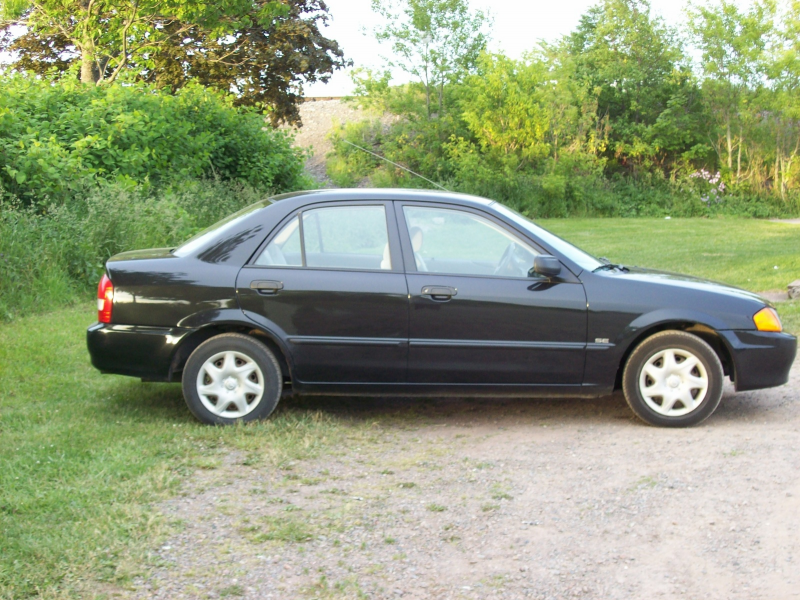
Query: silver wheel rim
[(673, 382), (230, 384)]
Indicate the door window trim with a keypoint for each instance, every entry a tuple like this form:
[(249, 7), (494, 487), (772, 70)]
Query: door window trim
[(396, 254), (405, 238)]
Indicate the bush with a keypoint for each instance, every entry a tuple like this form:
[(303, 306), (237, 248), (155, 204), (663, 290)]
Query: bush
[(59, 138), (348, 165), (574, 185), (51, 256)]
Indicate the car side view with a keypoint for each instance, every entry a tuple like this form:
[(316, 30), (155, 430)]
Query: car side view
[(412, 292)]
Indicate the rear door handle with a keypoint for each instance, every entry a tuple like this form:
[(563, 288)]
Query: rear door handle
[(266, 287), (439, 292)]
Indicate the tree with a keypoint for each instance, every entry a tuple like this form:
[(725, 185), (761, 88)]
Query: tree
[(782, 99), (109, 35), (267, 65), (505, 110), (261, 49), (733, 44), (436, 41), (645, 91)]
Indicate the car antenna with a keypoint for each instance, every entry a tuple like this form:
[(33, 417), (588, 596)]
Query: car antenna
[(441, 187)]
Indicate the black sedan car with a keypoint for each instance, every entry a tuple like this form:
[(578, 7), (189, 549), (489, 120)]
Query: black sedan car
[(412, 292)]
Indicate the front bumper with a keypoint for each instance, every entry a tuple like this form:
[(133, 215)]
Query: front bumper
[(134, 350), (761, 359)]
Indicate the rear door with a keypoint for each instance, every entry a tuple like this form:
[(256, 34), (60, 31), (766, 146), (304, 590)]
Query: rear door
[(475, 316), (330, 283)]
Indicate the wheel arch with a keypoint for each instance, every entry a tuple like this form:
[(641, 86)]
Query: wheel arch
[(190, 342), (704, 332)]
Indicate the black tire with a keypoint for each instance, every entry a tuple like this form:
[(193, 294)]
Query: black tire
[(649, 353), (241, 403)]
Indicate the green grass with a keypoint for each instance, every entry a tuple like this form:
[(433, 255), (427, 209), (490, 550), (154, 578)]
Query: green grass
[(282, 529), (741, 252), (790, 316), (83, 457)]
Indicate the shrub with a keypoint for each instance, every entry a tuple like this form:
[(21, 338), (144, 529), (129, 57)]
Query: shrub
[(573, 185), (58, 138), (51, 256), (348, 165)]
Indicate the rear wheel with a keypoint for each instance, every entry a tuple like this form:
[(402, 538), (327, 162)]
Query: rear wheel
[(231, 377), (673, 379)]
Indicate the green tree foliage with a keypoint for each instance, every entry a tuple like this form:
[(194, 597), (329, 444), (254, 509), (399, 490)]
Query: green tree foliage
[(734, 45), (57, 139), (506, 112), (751, 85), (612, 119), (263, 49), (436, 41), (109, 35), (265, 66), (646, 94), (783, 101)]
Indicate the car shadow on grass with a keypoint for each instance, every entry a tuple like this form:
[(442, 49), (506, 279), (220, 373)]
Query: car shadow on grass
[(463, 411), (158, 402)]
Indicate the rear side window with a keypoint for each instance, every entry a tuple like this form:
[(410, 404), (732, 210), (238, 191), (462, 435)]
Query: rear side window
[(204, 238), (339, 237), (284, 249)]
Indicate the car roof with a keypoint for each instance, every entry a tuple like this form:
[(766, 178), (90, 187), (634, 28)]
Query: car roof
[(414, 195)]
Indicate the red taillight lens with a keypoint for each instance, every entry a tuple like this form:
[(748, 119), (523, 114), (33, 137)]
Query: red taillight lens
[(105, 299)]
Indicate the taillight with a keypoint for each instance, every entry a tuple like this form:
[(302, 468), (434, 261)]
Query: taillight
[(105, 299)]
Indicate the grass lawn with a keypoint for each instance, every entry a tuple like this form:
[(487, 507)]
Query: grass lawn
[(84, 456), (741, 252)]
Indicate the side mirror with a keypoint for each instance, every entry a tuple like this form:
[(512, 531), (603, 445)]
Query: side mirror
[(545, 265)]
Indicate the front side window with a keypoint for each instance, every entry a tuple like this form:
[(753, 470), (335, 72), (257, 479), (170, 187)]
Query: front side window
[(340, 237), (462, 243)]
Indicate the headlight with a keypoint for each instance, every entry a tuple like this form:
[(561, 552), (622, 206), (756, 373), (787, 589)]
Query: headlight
[(767, 320)]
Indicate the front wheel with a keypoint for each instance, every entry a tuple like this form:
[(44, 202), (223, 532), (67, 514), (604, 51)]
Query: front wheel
[(231, 377), (673, 379)]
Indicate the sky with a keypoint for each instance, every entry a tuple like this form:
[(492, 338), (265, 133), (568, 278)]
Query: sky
[(518, 25)]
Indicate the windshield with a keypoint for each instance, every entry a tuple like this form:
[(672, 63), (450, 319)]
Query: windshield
[(196, 242), (576, 255)]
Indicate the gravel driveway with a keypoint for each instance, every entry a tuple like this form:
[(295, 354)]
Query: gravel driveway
[(506, 499)]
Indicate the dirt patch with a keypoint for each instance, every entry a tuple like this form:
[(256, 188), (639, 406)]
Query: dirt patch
[(507, 499), (775, 296)]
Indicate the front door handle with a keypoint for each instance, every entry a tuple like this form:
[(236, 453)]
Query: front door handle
[(266, 287), (439, 292)]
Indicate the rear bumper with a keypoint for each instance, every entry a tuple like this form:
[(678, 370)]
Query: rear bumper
[(761, 359), (138, 351)]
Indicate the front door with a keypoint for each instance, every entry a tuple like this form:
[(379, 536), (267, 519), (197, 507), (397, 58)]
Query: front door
[(476, 317), (330, 283)]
